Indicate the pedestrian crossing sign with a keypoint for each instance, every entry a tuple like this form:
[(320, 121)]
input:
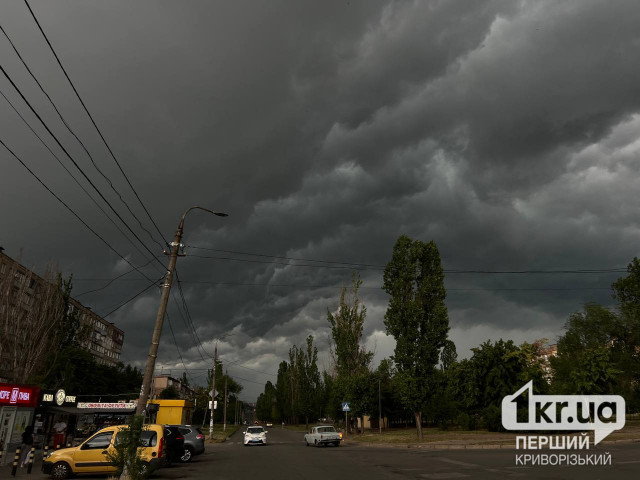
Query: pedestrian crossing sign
[(346, 407)]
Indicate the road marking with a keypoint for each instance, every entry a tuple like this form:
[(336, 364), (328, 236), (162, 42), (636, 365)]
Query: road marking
[(444, 475), (457, 462)]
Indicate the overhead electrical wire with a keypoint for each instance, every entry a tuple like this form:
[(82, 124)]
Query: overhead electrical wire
[(71, 210), (350, 266), (154, 282), (76, 164), (111, 281), (73, 133), (72, 175), (175, 342), (93, 121)]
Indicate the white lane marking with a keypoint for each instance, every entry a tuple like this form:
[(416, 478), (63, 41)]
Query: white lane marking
[(444, 475), (457, 462)]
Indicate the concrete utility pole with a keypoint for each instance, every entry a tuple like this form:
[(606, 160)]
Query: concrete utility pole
[(157, 330), (224, 427), (213, 390)]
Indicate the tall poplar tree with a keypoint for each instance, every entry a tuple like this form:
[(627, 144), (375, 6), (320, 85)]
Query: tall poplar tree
[(416, 317)]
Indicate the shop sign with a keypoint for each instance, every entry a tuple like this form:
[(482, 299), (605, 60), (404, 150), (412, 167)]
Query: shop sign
[(18, 395), (107, 406), (57, 398)]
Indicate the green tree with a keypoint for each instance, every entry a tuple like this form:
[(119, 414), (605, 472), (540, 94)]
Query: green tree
[(351, 359), (593, 342), (416, 317), (169, 393), (127, 454), (283, 393)]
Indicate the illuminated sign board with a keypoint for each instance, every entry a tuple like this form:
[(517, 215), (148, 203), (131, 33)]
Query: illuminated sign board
[(107, 406), (57, 398), (18, 395)]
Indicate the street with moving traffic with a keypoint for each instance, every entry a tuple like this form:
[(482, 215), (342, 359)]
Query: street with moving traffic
[(286, 457)]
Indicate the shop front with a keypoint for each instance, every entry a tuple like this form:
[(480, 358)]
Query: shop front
[(53, 425), (71, 422), (17, 407)]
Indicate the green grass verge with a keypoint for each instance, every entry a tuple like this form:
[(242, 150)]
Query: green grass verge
[(220, 435)]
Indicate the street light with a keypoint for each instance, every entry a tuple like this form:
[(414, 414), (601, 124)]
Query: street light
[(157, 330)]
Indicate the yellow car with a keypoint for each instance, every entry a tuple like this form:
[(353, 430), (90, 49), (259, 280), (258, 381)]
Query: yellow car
[(91, 455)]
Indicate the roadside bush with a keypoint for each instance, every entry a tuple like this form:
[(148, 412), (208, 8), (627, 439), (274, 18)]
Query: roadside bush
[(492, 416), (463, 420)]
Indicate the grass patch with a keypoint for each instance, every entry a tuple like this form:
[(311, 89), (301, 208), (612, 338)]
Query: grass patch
[(630, 431), (220, 435)]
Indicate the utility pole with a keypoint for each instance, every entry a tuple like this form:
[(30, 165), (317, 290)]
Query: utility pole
[(379, 408), (224, 427), (157, 330), (162, 309), (213, 390)]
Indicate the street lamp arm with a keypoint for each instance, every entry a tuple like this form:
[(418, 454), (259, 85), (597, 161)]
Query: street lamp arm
[(219, 214)]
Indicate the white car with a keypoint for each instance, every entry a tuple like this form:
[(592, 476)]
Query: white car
[(323, 435), (255, 436)]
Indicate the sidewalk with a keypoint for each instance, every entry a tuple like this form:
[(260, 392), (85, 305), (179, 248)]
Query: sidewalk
[(5, 470)]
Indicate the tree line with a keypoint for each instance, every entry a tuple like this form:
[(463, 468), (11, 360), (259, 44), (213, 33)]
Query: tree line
[(424, 382)]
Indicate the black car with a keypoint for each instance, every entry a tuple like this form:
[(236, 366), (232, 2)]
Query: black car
[(174, 444)]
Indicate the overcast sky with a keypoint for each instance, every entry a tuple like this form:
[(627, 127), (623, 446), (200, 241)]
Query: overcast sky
[(506, 131)]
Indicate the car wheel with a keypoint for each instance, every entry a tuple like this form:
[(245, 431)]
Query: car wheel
[(187, 455), (60, 471), (337, 444)]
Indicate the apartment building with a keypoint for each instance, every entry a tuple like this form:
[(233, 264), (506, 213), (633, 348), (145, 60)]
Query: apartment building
[(104, 340), (162, 381)]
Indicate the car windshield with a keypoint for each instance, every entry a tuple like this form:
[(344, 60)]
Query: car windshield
[(255, 430), (326, 430)]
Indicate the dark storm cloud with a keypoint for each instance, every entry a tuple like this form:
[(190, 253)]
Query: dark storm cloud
[(505, 131)]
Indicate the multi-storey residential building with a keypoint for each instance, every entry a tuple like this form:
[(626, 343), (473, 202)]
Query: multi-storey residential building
[(162, 381), (104, 340)]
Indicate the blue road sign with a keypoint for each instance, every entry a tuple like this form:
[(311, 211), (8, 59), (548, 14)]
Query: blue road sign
[(345, 407)]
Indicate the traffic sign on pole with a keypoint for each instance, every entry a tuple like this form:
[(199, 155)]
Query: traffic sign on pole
[(346, 407)]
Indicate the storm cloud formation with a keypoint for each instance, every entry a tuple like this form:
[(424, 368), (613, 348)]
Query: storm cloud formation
[(508, 132)]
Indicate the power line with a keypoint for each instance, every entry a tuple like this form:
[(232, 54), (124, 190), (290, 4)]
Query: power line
[(252, 369), (176, 344), (71, 174), (283, 258), (71, 210), (76, 164), (111, 281), (380, 288), (154, 282), (93, 121), (76, 136), (188, 315), (191, 329), (457, 271)]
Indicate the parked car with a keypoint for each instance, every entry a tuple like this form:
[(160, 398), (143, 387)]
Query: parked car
[(91, 456), (323, 435), (193, 441), (174, 441), (255, 436)]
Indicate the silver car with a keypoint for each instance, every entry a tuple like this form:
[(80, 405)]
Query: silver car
[(193, 441), (323, 435)]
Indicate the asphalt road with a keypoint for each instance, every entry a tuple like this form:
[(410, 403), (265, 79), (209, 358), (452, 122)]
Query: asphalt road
[(287, 457)]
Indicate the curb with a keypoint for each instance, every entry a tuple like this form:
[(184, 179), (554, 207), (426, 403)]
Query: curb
[(464, 446)]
